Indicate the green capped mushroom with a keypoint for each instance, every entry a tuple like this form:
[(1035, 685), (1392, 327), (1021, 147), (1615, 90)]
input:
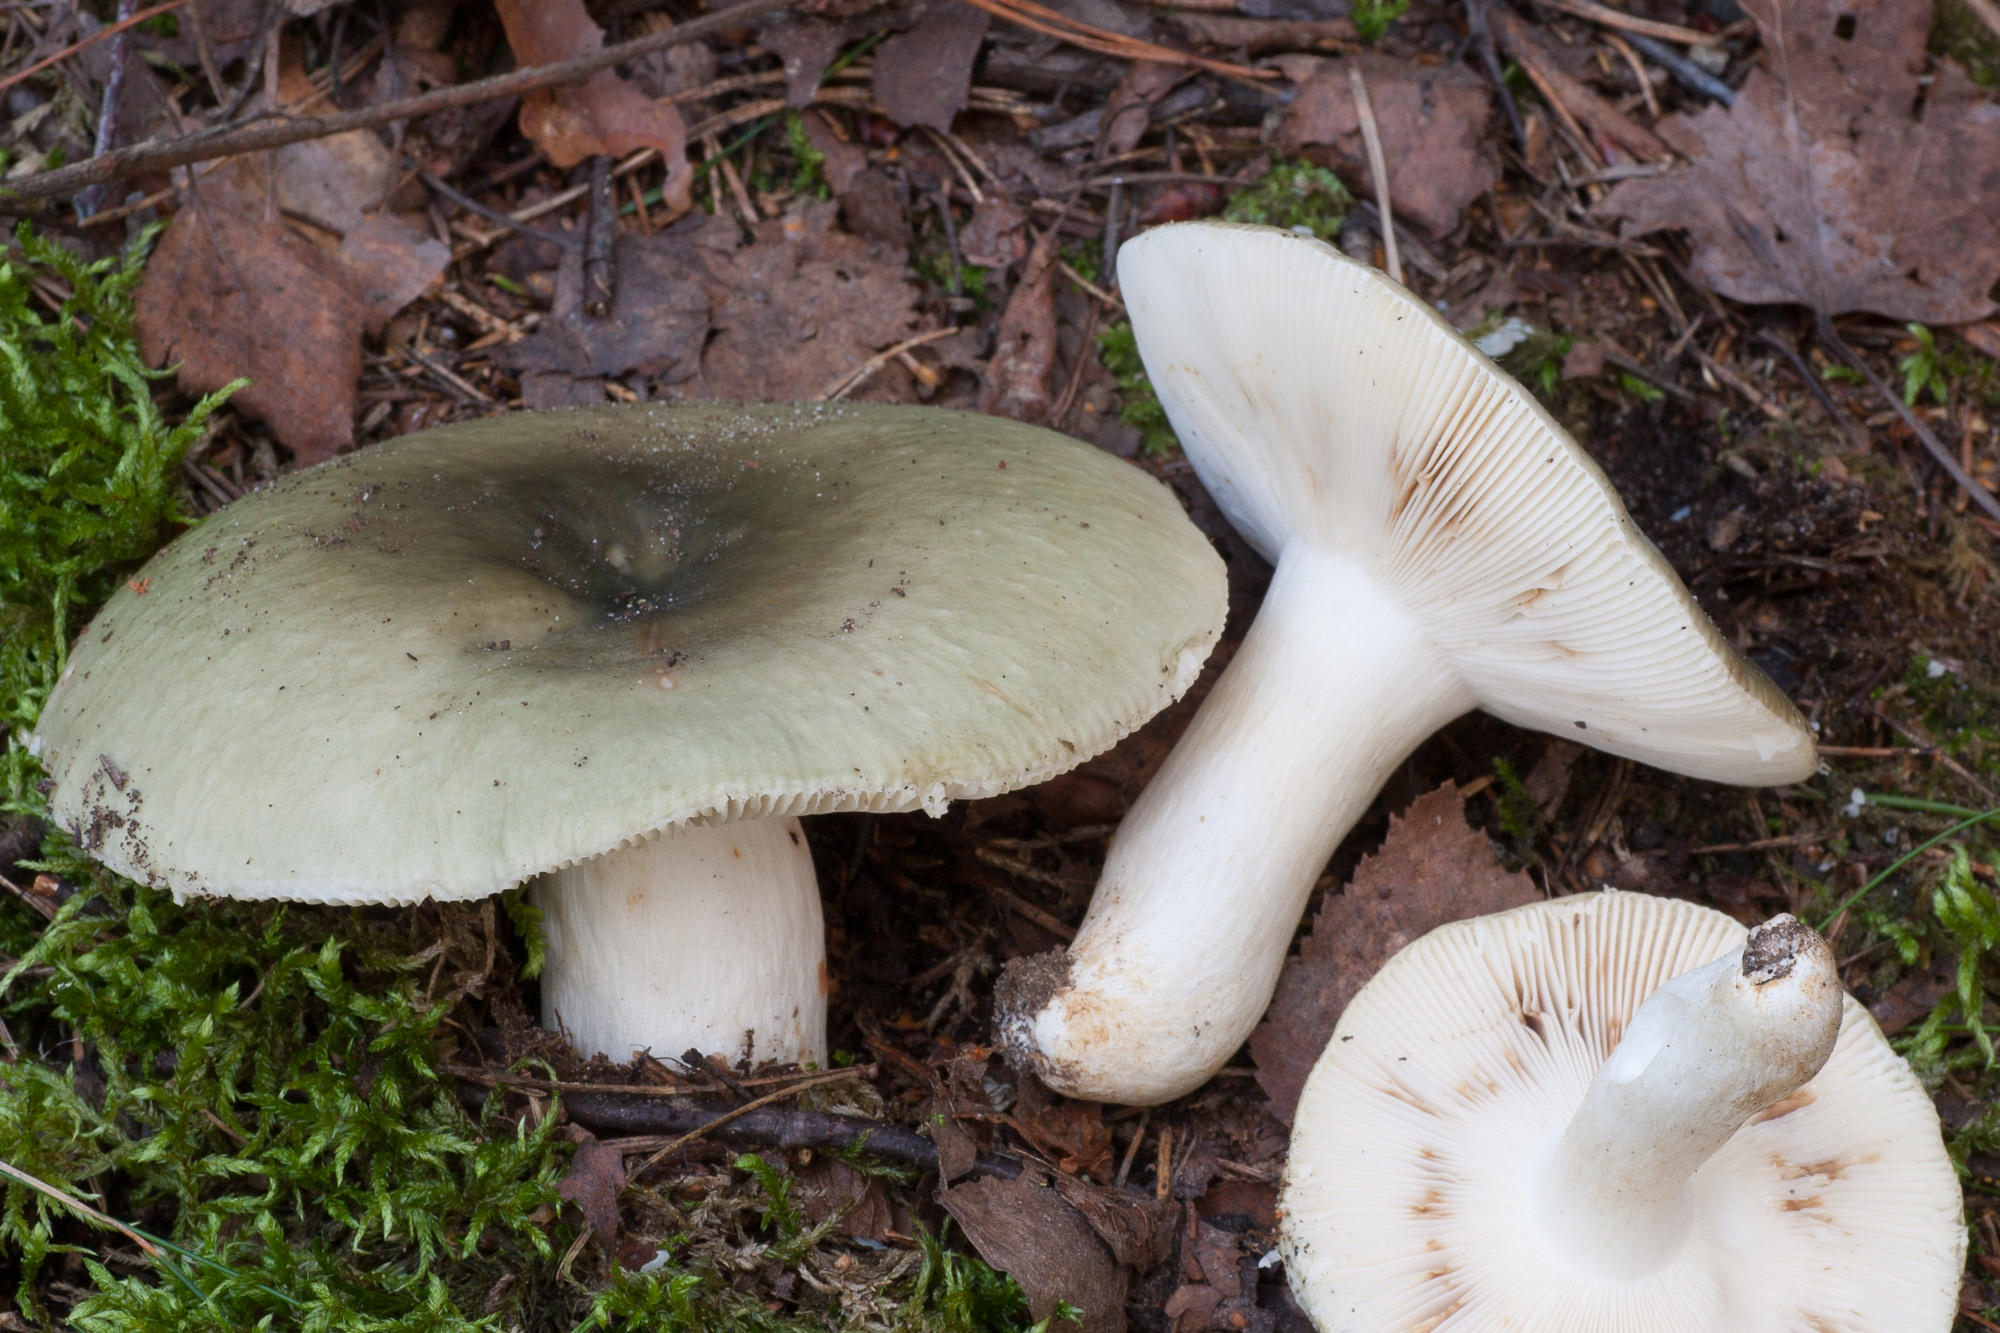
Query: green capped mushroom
[(617, 652)]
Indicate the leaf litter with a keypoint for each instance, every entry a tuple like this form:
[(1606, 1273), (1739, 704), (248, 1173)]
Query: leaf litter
[(867, 175), (1846, 177)]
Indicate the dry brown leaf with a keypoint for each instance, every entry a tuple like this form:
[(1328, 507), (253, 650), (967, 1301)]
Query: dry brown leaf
[(829, 1187), (1433, 868), (1024, 348), (997, 235), (807, 47), (596, 1175), (1433, 124), (1840, 180), (800, 308), (391, 260), (1025, 1228), (1126, 112), (227, 294), (604, 114), (1071, 1134), (922, 76), (657, 325)]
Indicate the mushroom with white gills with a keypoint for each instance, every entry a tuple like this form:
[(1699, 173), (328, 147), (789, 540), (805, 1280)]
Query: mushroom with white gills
[(1615, 1111), (621, 649), (1441, 544)]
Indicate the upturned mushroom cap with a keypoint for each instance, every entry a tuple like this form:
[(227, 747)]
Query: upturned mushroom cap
[(442, 665), (1324, 405), (1414, 1194)]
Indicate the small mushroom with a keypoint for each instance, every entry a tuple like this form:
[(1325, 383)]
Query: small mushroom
[(1615, 1111), (1441, 544), (617, 653)]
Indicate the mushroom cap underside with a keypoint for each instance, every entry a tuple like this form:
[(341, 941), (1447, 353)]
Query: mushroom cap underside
[(444, 664), (1322, 403), (1456, 1069)]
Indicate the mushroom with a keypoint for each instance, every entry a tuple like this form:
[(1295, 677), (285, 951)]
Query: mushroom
[(617, 653), (1617, 1111), (1441, 544)]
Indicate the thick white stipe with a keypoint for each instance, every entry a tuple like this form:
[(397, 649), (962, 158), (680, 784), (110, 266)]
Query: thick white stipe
[(707, 938)]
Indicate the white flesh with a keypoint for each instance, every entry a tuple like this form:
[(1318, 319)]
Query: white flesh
[(1174, 962), (706, 937), (1706, 1051), (1442, 545), (1554, 1119)]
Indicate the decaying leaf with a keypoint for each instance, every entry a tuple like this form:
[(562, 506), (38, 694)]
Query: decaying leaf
[(1025, 1228), (829, 1187), (923, 76), (997, 235), (391, 260), (1844, 178), (1433, 868), (802, 306), (1433, 124), (658, 320), (1126, 111), (1071, 1134), (228, 294), (603, 114), (702, 315), (1024, 348), (596, 1175)]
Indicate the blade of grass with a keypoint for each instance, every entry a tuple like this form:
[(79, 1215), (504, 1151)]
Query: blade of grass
[(1901, 861)]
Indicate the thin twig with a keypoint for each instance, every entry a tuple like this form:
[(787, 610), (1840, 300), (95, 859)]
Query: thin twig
[(1984, 498), (1020, 906), (1611, 18), (852, 380), (1689, 74), (90, 200), (109, 30), (471, 205), (1105, 42), (1378, 166), (70, 1200), (1638, 68), (226, 141), (747, 1107)]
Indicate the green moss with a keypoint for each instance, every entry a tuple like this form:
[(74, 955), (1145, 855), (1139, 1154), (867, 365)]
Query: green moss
[(1139, 407), (1297, 196), (257, 1088), (1957, 33), (1373, 17), (1963, 717), (808, 177), (88, 469)]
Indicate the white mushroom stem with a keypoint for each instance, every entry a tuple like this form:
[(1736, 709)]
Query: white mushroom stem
[(1706, 1051), (1334, 684), (704, 938)]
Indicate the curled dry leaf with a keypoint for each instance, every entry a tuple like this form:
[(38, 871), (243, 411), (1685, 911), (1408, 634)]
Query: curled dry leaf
[(1433, 126), (1844, 178), (1433, 868), (603, 114), (1017, 378)]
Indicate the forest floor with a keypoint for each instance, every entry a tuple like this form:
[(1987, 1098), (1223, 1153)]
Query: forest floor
[(922, 203)]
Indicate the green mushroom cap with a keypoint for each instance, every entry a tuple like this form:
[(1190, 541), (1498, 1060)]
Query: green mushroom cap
[(442, 665)]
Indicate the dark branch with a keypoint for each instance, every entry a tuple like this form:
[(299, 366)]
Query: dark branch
[(229, 140)]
